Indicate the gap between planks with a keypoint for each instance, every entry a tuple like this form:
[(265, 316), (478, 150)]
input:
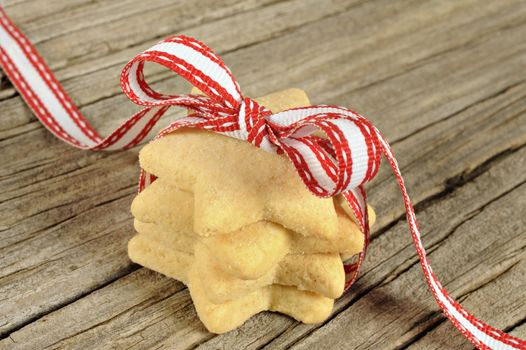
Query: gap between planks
[(511, 155)]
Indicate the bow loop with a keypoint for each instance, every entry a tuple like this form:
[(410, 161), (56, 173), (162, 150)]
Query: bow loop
[(334, 149), (190, 59), (343, 157)]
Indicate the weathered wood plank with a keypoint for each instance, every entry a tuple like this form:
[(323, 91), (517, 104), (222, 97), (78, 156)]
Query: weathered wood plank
[(106, 26), (392, 253), (120, 315), (519, 330), (500, 300), (90, 77), (477, 129), (343, 51), (401, 309), (33, 205), (376, 57)]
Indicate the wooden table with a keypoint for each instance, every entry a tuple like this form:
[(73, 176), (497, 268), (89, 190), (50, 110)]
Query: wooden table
[(446, 83)]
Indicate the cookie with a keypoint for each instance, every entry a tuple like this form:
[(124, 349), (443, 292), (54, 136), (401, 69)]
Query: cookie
[(307, 307), (238, 227), (304, 306), (235, 183), (249, 252), (144, 251), (321, 273)]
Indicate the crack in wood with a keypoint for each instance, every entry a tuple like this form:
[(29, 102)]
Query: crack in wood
[(393, 275), (149, 302), (124, 272), (163, 76), (462, 177), (462, 110), (440, 318), (169, 75), (58, 224), (286, 329), (450, 185)]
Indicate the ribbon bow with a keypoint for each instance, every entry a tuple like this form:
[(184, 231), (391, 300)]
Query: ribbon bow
[(345, 160), (341, 163)]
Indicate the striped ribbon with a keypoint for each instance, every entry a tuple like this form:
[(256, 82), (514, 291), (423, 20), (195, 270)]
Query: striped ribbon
[(341, 163)]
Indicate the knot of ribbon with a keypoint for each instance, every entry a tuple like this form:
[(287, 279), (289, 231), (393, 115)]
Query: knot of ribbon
[(344, 158), (339, 161)]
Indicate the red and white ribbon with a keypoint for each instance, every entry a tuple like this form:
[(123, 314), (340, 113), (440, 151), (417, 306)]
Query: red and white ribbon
[(339, 164)]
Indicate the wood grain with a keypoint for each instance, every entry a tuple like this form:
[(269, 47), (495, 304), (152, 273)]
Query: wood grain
[(442, 80), (392, 254)]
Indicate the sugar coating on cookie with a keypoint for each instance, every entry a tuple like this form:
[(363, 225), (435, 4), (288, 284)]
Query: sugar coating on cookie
[(249, 252), (235, 183), (220, 317)]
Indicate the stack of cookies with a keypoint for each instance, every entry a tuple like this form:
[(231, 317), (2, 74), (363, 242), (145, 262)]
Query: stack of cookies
[(238, 227)]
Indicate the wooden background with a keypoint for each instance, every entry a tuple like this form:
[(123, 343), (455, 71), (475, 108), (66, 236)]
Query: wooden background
[(446, 83)]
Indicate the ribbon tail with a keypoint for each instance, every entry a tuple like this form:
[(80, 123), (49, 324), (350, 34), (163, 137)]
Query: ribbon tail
[(51, 104), (482, 335), (358, 203)]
